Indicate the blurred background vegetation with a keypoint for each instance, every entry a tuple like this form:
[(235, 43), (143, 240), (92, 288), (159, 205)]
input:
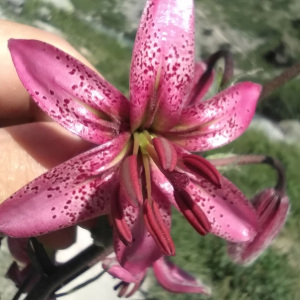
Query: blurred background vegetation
[(264, 36)]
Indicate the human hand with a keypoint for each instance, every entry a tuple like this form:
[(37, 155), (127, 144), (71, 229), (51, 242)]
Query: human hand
[(30, 143)]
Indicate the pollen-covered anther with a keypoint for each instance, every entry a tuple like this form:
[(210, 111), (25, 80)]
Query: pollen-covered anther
[(129, 181), (203, 168), (157, 228), (119, 222), (166, 153), (193, 213)]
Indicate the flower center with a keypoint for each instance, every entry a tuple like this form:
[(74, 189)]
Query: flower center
[(143, 142), (149, 153)]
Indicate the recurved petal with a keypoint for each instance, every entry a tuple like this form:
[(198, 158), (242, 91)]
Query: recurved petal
[(271, 222), (201, 83), (69, 92), (230, 214), (162, 64), (219, 120), (74, 191), (176, 280)]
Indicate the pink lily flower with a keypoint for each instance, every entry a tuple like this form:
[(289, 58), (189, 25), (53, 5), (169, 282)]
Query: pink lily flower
[(169, 276), (272, 209), (142, 164)]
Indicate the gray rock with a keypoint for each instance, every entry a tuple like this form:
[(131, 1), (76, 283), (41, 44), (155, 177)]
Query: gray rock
[(269, 128), (132, 10), (44, 13), (290, 129), (287, 131), (16, 5)]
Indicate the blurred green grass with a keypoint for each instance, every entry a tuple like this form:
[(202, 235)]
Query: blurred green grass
[(277, 273)]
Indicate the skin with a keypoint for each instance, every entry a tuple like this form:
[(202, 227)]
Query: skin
[(30, 143)]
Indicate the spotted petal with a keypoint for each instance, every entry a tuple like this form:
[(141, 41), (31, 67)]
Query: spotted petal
[(74, 191), (229, 212), (69, 92), (176, 280), (162, 64), (219, 120)]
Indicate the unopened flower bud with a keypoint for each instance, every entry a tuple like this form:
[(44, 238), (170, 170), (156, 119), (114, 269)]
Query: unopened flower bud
[(272, 209)]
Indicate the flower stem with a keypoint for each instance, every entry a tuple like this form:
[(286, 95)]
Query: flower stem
[(228, 65), (280, 80), (63, 273), (255, 159)]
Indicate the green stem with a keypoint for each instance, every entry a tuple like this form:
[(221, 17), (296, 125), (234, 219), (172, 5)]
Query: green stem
[(280, 80)]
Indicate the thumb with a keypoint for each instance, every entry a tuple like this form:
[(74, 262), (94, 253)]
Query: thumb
[(28, 150)]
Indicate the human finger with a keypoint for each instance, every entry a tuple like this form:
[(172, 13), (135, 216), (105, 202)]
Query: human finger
[(28, 150), (15, 103)]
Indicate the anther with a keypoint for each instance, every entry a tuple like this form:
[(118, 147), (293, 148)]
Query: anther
[(203, 168), (192, 212), (157, 228)]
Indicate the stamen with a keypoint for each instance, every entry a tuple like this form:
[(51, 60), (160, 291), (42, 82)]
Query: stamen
[(130, 182), (166, 153), (192, 212), (119, 222), (152, 153), (157, 228), (202, 167)]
